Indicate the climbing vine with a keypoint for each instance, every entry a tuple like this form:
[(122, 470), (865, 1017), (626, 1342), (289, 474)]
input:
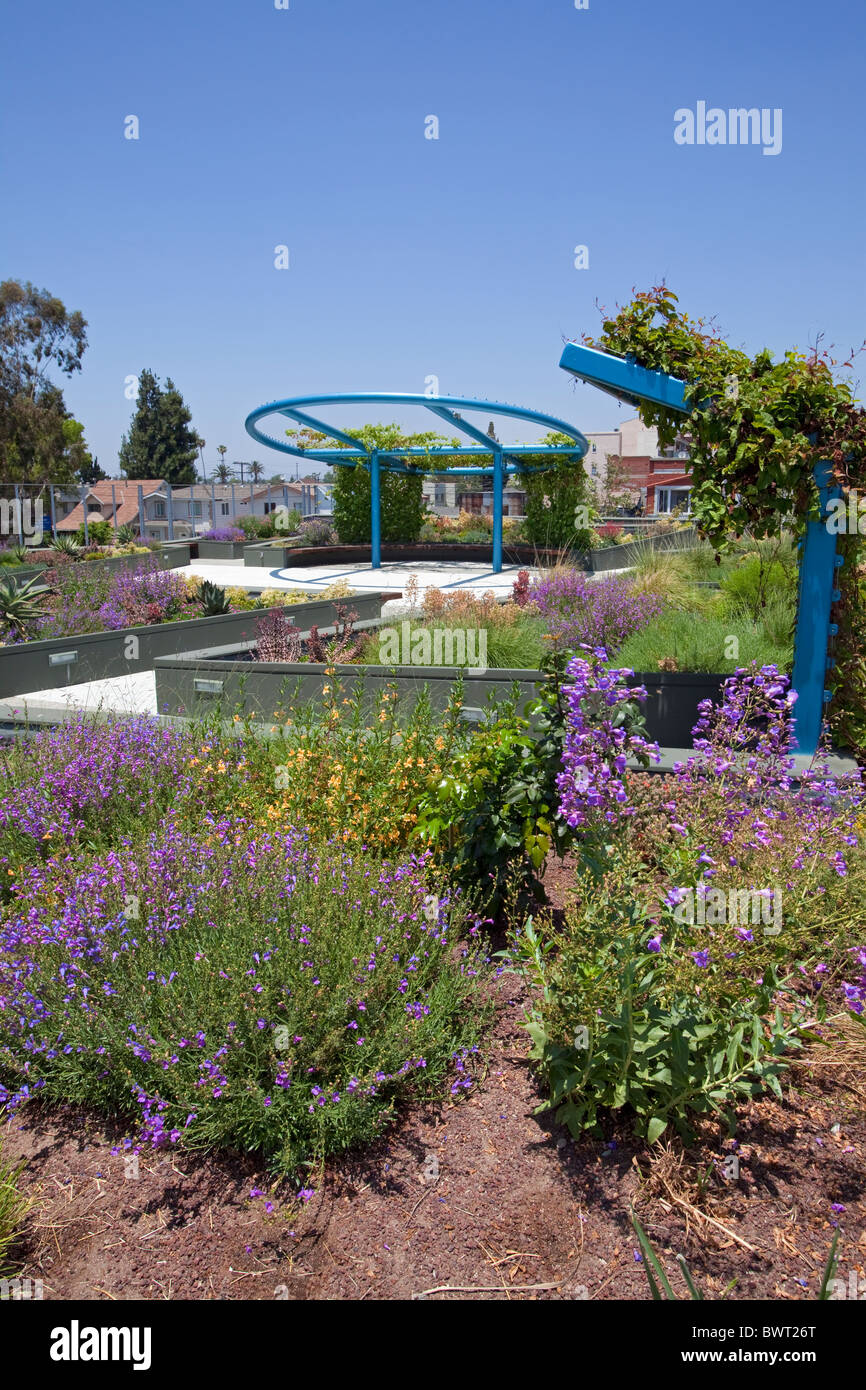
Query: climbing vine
[(757, 427)]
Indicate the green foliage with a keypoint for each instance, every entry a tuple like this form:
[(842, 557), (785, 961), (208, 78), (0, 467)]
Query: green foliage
[(126, 534), (756, 428), (551, 501), (39, 440), (492, 817), (14, 1207), (212, 600), (21, 606), (402, 506), (680, 641), (65, 544), (161, 442), (759, 578), (613, 1027), (99, 533)]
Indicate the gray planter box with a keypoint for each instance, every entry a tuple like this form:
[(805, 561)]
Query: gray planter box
[(671, 707), (202, 682), (175, 558), (619, 557), (274, 554), (94, 656), (22, 573), (221, 550), (197, 682)]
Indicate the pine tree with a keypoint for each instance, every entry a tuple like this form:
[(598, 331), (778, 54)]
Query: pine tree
[(161, 442)]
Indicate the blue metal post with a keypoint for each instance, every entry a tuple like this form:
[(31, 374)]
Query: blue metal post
[(817, 592), (170, 512), (375, 513), (498, 483), (84, 505), (19, 519), (53, 510), (141, 531)]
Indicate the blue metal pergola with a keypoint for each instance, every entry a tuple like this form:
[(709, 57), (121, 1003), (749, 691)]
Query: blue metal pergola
[(624, 378), (418, 461), (819, 563)]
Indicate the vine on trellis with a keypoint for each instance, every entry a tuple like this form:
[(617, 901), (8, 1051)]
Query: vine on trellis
[(756, 428)]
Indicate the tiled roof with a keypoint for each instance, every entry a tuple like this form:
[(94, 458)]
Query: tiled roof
[(125, 496)]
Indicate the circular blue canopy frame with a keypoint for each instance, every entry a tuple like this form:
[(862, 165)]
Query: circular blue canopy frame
[(416, 460)]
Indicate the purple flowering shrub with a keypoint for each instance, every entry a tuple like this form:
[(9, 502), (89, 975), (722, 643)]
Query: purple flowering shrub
[(584, 612), (224, 533), (87, 778), (141, 596), (92, 598), (738, 818), (209, 983), (603, 730), (715, 927)]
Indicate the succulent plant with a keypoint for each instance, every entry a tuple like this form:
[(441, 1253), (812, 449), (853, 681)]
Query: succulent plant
[(65, 544), (212, 599), (21, 605)]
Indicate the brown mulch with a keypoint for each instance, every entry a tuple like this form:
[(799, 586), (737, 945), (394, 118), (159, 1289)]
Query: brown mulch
[(476, 1198)]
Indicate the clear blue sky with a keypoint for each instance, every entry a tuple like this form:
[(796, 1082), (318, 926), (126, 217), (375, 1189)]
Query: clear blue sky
[(412, 257)]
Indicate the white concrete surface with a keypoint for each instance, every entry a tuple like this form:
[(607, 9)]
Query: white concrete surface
[(133, 694), (443, 574)]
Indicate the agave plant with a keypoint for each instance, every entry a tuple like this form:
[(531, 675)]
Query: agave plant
[(212, 600), (126, 534), (66, 545), (21, 606), (20, 554)]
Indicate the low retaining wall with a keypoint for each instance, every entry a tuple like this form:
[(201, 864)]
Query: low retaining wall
[(281, 555), (202, 682), (617, 557), (196, 682), (220, 550), (94, 656), (174, 558)]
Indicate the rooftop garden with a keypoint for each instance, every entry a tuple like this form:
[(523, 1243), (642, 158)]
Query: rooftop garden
[(300, 939)]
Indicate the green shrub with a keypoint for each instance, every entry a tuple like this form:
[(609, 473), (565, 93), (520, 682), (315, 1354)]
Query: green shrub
[(249, 1010), (615, 1025), (99, 533), (682, 641), (551, 501), (766, 573)]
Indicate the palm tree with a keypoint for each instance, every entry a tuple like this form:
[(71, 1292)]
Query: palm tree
[(256, 471), (222, 450), (223, 473), (199, 444)]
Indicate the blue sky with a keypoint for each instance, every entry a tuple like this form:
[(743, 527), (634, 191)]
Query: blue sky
[(412, 257)]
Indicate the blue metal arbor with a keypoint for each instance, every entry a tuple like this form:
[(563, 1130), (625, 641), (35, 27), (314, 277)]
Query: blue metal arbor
[(819, 563), (505, 458)]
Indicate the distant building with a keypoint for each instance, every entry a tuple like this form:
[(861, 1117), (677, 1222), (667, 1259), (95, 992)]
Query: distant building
[(657, 481), (186, 511)]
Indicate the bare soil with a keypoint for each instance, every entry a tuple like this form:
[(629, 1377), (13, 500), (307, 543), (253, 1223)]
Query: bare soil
[(475, 1198)]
